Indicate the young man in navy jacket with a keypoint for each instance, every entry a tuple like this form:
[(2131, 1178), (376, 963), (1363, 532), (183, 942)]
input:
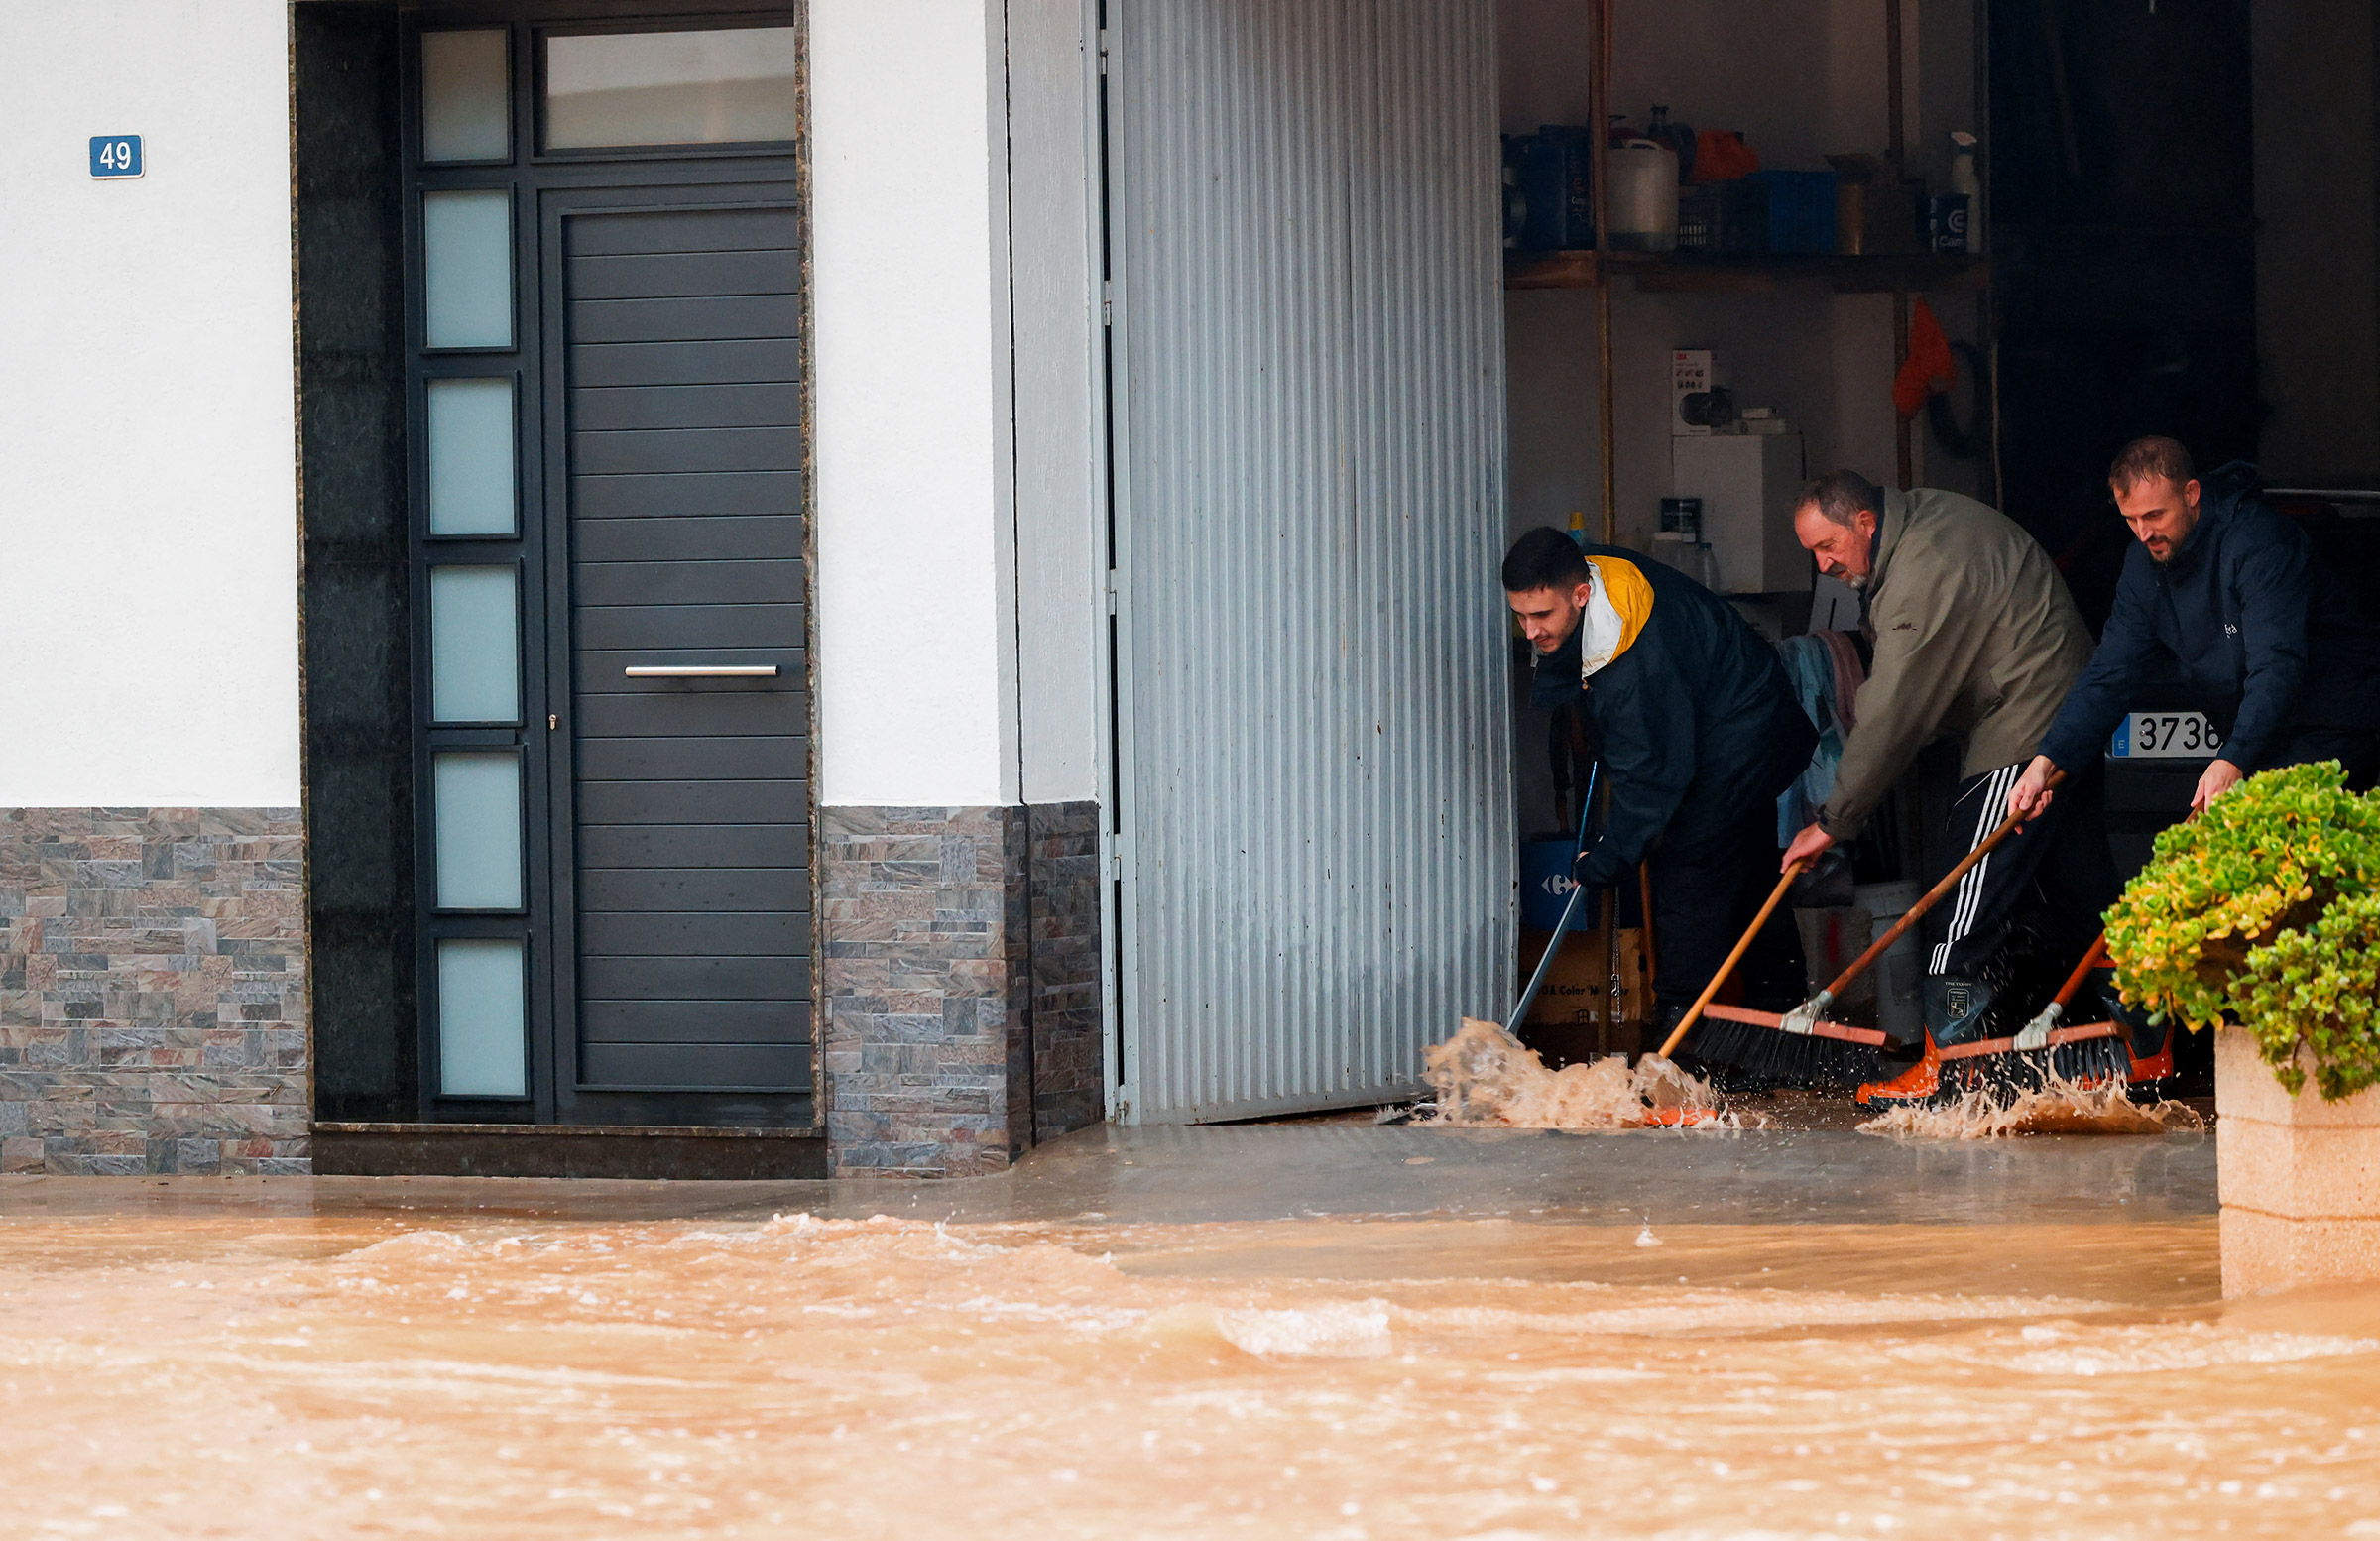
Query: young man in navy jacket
[(2270, 642), (1697, 731)]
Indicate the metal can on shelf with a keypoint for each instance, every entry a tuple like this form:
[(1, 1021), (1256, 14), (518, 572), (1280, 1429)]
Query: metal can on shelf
[(1946, 224)]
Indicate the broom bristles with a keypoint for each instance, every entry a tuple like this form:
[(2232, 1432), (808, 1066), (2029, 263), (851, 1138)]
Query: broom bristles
[(1798, 1059), (2016, 1071), (2092, 1059)]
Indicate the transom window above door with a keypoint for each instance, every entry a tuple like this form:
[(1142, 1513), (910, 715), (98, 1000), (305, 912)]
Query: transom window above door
[(720, 86), (685, 87)]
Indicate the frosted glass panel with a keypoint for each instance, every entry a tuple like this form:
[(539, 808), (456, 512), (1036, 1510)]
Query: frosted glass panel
[(466, 97), (477, 802), (471, 457), (714, 87), (474, 645), (483, 1019), (467, 266)]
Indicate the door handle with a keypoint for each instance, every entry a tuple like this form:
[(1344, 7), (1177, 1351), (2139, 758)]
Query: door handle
[(702, 672)]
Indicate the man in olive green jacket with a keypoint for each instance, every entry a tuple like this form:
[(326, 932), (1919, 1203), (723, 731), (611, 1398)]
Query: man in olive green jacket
[(1975, 637)]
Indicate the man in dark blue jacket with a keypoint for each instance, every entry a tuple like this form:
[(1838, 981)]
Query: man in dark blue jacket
[(1697, 730), (2271, 642)]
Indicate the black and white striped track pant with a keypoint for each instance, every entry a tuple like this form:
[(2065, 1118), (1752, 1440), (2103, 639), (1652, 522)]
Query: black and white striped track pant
[(2063, 852)]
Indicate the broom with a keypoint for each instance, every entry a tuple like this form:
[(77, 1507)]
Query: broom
[(1805, 1020), (1828, 1055), (1799, 1018), (2090, 1052), (2076, 1053)]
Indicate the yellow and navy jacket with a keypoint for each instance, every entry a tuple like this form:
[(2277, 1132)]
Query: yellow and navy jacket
[(1692, 717)]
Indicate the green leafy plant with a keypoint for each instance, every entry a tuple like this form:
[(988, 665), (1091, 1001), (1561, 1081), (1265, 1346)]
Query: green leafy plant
[(2316, 988), (2222, 923)]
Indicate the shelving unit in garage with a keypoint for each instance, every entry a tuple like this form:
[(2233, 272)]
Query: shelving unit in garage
[(1903, 276)]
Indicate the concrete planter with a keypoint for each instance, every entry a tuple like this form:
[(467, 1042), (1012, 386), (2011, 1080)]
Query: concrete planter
[(2300, 1177)]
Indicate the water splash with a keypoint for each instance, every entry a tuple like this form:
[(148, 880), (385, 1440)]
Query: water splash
[(1483, 1076), (2057, 1107)]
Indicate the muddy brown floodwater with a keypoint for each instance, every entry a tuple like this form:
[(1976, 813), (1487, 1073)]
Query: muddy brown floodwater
[(476, 1368)]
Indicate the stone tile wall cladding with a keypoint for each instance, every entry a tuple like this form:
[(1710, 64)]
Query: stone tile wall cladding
[(153, 1000), (1067, 899), (961, 982)]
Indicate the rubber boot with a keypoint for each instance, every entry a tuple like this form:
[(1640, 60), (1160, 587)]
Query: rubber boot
[(1957, 1008), (1915, 1084)]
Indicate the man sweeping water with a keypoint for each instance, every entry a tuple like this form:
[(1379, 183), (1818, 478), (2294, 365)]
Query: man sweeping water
[(1975, 637), (2269, 641), (1697, 731)]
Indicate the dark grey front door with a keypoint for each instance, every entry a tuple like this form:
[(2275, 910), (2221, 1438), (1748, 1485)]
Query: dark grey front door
[(611, 681), (685, 817)]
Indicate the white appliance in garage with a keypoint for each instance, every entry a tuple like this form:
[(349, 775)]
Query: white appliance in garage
[(1747, 483), (1315, 863)]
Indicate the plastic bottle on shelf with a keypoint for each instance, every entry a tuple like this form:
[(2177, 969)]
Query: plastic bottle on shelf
[(1963, 180), (1644, 196)]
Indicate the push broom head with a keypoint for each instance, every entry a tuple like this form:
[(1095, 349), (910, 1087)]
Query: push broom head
[(2088, 1055), (2053, 1050), (1828, 1057)]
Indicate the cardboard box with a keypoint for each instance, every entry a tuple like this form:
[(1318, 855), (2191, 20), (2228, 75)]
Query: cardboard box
[(1691, 371), (1570, 1021)]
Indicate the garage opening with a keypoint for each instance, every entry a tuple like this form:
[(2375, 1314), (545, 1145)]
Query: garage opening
[(1391, 285)]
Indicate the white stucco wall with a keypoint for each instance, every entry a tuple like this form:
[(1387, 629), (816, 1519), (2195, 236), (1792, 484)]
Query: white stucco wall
[(915, 473), (148, 490)]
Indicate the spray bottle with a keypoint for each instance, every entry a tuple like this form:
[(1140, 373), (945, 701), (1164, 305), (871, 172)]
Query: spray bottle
[(1963, 180)]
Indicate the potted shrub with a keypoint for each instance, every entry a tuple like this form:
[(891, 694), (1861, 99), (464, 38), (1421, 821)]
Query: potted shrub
[(2261, 920)]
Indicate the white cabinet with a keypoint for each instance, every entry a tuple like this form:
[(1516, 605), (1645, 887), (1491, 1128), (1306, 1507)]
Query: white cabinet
[(1747, 483)]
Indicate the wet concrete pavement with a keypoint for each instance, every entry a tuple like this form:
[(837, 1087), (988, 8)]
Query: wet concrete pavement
[(1287, 1171)]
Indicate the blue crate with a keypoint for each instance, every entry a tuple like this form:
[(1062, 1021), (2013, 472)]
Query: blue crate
[(1801, 211), (1545, 887)]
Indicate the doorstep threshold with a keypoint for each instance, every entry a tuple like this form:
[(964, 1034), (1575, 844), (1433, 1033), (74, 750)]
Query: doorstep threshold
[(619, 1150), (608, 1130)]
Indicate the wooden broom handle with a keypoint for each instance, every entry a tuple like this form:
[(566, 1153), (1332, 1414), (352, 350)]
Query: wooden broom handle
[(1694, 1014), (2096, 954), (1934, 896), (2074, 981)]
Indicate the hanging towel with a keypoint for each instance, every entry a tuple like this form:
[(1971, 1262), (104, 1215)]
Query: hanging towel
[(1825, 671), (1849, 675)]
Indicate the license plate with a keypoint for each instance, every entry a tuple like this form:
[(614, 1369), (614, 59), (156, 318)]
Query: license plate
[(2165, 736)]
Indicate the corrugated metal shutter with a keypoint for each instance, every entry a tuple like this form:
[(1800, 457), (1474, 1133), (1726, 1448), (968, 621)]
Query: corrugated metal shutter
[(1316, 811)]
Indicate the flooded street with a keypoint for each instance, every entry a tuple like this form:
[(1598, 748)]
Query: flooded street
[(1190, 1333)]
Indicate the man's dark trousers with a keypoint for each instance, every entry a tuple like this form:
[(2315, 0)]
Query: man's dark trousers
[(2063, 852), (1703, 895)]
